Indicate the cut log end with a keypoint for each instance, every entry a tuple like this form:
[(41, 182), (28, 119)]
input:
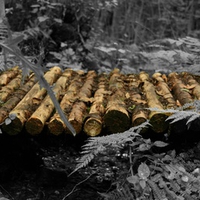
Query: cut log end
[(14, 128), (158, 122), (93, 127), (34, 126), (56, 126), (116, 121)]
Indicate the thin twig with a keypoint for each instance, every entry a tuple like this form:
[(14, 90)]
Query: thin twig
[(76, 186)]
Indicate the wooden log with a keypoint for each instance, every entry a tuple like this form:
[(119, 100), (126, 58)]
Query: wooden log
[(139, 113), (29, 103), (193, 85), (180, 91), (16, 98), (163, 90), (157, 119), (7, 76), (56, 125), (116, 117), (8, 89), (79, 108), (93, 124), (36, 122)]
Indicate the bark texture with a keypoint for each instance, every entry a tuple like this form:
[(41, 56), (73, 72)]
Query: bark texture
[(116, 117), (93, 124), (29, 103), (157, 119), (56, 126), (36, 122), (79, 108), (16, 98)]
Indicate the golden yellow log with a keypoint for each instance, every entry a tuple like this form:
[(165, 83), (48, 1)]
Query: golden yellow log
[(8, 89), (7, 76), (116, 117), (36, 122), (193, 85), (93, 124), (56, 126), (29, 103), (163, 90), (180, 91), (79, 108), (157, 119), (16, 98)]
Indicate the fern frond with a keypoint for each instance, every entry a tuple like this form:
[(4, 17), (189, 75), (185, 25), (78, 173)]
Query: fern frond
[(96, 145)]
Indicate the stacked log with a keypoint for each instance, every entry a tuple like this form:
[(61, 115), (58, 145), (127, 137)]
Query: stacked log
[(179, 89), (139, 104), (7, 90), (94, 103), (28, 104), (36, 122), (7, 76), (56, 126), (79, 109), (94, 122), (157, 119), (116, 117), (16, 97)]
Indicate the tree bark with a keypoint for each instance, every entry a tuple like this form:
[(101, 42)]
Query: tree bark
[(93, 124), (116, 118), (56, 126), (7, 76), (157, 119), (29, 103), (194, 86), (36, 122), (78, 112), (163, 90), (16, 98), (7, 90), (179, 89)]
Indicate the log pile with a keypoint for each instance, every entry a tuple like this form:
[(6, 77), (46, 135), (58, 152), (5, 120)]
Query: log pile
[(93, 103)]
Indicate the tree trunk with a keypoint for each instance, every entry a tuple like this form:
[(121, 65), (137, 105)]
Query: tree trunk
[(36, 122), (93, 124), (29, 103), (56, 126)]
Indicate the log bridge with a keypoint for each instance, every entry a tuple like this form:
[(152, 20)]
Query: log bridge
[(93, 103)]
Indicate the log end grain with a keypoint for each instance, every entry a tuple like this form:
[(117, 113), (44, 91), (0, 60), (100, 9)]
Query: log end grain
[(14, 128), (93, 126), (116, 121), (34, 126), (56, 126), (158, 122)]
